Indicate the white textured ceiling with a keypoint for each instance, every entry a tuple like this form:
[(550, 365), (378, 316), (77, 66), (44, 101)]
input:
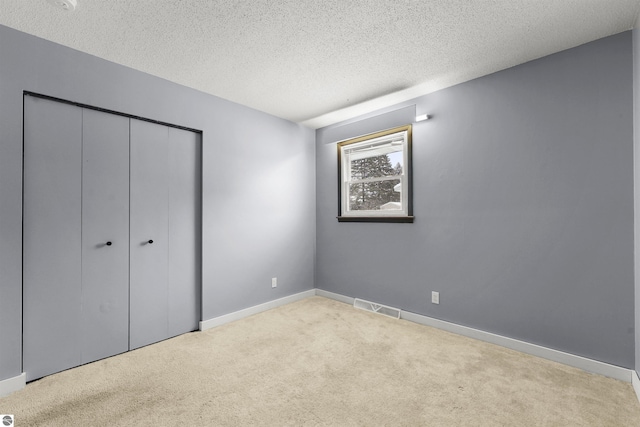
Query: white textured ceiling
[(321, 61)]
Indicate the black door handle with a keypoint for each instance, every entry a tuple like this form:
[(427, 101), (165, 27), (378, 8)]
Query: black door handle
[(108, 243), (150, 241)]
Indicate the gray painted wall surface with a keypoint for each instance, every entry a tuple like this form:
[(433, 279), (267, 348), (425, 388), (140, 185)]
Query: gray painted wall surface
[(523, 198), (258, 178), (636, 154)]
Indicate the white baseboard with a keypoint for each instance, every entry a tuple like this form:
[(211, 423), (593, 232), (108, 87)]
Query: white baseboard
[(635, 382), (237, 315), (10, 385), (579, 362), (337, 297)]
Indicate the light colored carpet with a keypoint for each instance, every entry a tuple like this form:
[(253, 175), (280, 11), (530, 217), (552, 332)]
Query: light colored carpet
[(319, 362)]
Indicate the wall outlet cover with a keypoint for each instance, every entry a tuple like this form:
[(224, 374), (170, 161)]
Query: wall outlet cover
[(435, 297)]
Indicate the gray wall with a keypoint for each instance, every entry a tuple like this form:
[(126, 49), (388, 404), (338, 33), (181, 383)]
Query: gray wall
[(636, 152), (258, 178), (523, 198)]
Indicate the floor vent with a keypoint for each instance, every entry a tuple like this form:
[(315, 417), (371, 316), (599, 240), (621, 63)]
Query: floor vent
[(377, 308)]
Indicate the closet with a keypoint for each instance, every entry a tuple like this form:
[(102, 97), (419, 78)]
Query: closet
[(111, 234)]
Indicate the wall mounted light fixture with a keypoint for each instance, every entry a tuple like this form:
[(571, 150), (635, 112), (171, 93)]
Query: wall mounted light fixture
[(422, 117)]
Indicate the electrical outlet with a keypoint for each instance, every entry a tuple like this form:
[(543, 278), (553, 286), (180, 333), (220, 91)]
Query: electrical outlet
[(274, 282), (435, 297)]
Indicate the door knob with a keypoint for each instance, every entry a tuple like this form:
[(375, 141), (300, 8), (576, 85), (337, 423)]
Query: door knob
[(108, 243), (150, 241)]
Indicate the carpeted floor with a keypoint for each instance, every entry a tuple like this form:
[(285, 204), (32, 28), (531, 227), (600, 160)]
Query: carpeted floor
[(319, 362)]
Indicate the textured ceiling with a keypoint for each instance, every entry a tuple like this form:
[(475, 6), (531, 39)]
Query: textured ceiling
[(321, 61)]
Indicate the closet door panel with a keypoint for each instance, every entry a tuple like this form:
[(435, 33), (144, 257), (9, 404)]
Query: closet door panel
[(184, 231), (105, 235), (51, 237), (149, 223)]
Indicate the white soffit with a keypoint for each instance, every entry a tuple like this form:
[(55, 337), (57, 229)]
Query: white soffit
[(318, 62)]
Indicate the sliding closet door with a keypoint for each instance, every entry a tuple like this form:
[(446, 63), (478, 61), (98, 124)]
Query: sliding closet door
[(51, 237), (165, 208), (105, 235), (111, 234), (149, 222), (184, 231)]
